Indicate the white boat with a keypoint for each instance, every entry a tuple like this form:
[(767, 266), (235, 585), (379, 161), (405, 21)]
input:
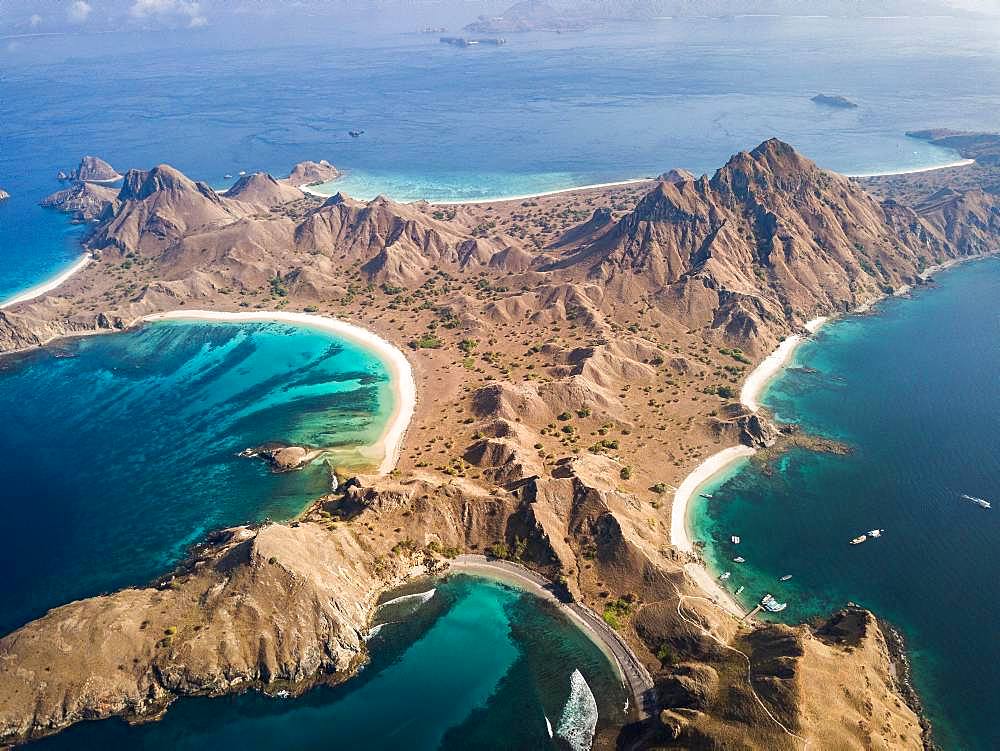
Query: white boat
[(875, 532), (978, 501), (740, 589), (705, 495), (785, 578), (859, 539), (735, 539), (725, 576), (771, 605), (739, 559)]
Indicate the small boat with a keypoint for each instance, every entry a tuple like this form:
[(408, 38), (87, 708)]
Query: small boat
[(725, 576), (227, 176), (740, 589), (978, 501), (771, 605), (785, 578), (859, 539), (355, 133), (739, 559), (705, 495), (735, 539), (875, 532), (243, 173)]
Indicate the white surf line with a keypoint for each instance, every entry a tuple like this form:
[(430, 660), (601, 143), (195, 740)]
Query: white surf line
[(47, 286), (467, 201), (389, 445), (949, 165)]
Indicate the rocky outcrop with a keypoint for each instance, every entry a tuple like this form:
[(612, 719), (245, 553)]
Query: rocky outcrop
[(312, 173), (676, 175), (282, 458), (92, 169), (835, 100), (85, 201)]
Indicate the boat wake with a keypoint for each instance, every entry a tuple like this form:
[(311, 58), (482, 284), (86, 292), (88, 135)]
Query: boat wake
[(418, 598), (579, 717)]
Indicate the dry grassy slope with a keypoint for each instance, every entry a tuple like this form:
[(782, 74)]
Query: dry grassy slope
[(573, 357)]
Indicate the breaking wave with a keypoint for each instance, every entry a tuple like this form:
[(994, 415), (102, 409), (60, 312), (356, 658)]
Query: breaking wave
[(579, 717), (419, 597), (373, 631)]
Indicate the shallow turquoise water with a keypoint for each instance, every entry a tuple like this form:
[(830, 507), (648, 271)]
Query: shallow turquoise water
[(479, 665), (914, 391), (119, 451)]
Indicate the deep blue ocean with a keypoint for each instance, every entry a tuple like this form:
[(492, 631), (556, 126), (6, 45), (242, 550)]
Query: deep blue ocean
[(120, 451), (518, 656), (542, 112), (914, 390)]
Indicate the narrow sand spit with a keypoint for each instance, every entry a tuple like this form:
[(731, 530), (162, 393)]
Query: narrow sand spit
[(47, 286), (387, 448)]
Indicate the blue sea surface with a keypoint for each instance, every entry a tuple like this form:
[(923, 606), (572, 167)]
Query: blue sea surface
[(479, 665), (120, 451), (914, 390), (543, 112)]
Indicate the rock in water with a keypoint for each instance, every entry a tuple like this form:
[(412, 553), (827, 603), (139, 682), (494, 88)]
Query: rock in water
[(312, 173), (282, 458), (835, 101), (94, 169)]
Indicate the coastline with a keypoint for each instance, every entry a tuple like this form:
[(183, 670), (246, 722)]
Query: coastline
[(750, 393), (918, 170), (47, 286), (629, 668), (310, 190), (388, 447)]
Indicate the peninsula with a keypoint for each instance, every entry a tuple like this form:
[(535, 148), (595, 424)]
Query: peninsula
[(575, 357)]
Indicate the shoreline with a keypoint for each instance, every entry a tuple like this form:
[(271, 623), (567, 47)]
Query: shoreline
[(389, 445), (630, 669), (751, 391), (310, 190), (916, 171), (47, 286)]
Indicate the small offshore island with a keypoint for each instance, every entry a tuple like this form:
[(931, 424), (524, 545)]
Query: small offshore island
[(575, 357)]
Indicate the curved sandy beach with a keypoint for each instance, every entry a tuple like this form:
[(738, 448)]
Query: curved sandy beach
[(616, 184), (387, 449), (753, 387), (47, 286), (890, 173)]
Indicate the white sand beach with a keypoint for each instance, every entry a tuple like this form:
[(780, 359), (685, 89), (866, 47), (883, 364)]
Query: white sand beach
[(47, 286), (311, 190), (752, 389), (387, 449), (890, 173)]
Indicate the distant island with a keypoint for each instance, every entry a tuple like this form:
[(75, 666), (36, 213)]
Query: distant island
[(839, 102)]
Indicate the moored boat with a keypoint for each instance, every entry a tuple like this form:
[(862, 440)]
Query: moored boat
[(785, 578), (982, 502), (735, 539), (859, 539), (739, 559)]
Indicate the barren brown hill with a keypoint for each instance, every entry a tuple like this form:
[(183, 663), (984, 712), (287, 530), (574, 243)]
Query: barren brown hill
[(576, 355)]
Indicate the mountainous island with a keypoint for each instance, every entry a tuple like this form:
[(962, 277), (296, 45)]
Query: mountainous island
[(576, 356)]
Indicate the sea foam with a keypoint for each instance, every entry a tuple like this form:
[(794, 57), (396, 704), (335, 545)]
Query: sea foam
[(579, 717), (419, 598)]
